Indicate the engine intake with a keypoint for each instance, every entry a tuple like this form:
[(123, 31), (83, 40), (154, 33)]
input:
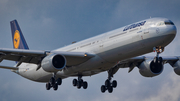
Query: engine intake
[(149, 68), (156, 67), (53, 63)]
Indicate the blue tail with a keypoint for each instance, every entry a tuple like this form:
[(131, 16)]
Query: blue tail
[(19, 41)]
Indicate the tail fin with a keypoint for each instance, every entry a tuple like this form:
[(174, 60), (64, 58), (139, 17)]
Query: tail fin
[(19, 41)]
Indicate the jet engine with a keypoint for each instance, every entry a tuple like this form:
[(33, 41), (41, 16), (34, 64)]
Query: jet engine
[(176, 67), (150, 68), (53, 63)]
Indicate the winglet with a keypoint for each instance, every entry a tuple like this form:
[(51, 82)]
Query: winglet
[(19, 41)]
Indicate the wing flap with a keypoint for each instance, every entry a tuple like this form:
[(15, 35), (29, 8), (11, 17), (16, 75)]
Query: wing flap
[(8, 67)]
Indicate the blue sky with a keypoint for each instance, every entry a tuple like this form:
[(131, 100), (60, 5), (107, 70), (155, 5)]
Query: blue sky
[(48, 25)]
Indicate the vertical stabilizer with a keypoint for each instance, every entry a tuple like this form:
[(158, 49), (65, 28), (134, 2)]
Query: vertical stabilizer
[(19, 41)]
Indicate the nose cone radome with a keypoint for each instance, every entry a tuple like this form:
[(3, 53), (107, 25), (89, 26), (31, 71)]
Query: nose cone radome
[(169, 30), (169, 34), (172, 29)]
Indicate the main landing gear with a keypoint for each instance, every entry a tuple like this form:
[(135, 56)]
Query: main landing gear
[(109, 84), (53, 83), (80, 83)]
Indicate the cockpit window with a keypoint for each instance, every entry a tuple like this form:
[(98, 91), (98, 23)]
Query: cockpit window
[(160, 23), (169, 22)]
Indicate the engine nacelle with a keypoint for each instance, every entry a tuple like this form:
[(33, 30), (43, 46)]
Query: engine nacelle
[(149, 69), (53, 63), (176, 67)]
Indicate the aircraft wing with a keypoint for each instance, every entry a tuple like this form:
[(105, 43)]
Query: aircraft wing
[(28, 56), (36, 56), (136, 61)]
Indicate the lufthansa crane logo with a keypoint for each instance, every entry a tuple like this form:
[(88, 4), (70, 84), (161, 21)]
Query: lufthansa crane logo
[(16, 39)]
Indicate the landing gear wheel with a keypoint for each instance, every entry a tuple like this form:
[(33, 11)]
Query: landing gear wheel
[(74, 82), (79, 84), (52, 81), (114, 84), (55, 86), (59, 81), (110, 89), (81, 80), (103, 88), (48, 86), (107, 83), (85, 85)]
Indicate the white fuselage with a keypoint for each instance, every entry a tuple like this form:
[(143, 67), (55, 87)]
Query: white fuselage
[(109, 48)]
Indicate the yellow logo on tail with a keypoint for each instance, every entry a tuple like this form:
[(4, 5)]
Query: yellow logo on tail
[(16, 39)]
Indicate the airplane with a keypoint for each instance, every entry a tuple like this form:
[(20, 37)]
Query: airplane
[(119, 48)]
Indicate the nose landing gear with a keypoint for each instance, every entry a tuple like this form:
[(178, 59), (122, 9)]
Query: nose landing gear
[(158, 50)]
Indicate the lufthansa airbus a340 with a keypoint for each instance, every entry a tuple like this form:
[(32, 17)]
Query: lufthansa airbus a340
[(120, 48)]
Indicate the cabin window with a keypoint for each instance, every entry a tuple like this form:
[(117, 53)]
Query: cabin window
[(71, 49), (85, 45), (117, 35), (133, 30)]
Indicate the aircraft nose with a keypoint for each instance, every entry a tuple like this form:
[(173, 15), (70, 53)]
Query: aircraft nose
[(172, 30), (169, 30)]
